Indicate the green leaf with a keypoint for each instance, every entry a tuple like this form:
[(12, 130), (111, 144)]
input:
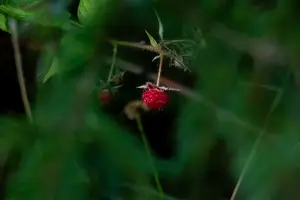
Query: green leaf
[(160, 26), (40, 17), (87, 9), (73, 180), (52, 70), (23, 2), (32, 181), (3, 23), (152, 40), (195, 134), (16, 12), (13, 135)]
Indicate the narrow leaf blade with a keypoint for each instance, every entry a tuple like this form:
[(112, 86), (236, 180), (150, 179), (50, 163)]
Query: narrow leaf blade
[(160, 26), (52, 70), (152, 40)]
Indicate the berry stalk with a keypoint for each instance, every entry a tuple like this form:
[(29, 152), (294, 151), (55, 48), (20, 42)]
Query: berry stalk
[(159, 68)]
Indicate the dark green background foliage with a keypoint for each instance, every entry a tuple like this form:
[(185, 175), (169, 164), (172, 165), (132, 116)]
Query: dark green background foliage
[(239, 101)]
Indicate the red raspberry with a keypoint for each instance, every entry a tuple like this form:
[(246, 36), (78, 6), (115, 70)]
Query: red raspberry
[(105, 97), (155, 98)]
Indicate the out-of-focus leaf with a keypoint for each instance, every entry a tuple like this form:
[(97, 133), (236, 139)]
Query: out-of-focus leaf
[(40, 16), (54, 68), (87, 9), (118, 145), (160, 26), (13, 134), (22, 2), (3, 26), (16, 12), (73, 183), (45, 61), (151, 39), (39, 171), (194, 134)]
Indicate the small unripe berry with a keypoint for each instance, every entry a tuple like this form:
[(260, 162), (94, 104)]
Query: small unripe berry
[(105, 97), (155, 98)]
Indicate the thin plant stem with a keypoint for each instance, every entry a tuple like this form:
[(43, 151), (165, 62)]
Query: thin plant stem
[(159, 69), (112, 66), (19, 67), (157, 49), (136, 45), (256, 145), (147, 148), (247, 164)]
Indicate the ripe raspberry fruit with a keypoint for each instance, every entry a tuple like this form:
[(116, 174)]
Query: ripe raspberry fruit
[(105, 97), (155, 98)]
